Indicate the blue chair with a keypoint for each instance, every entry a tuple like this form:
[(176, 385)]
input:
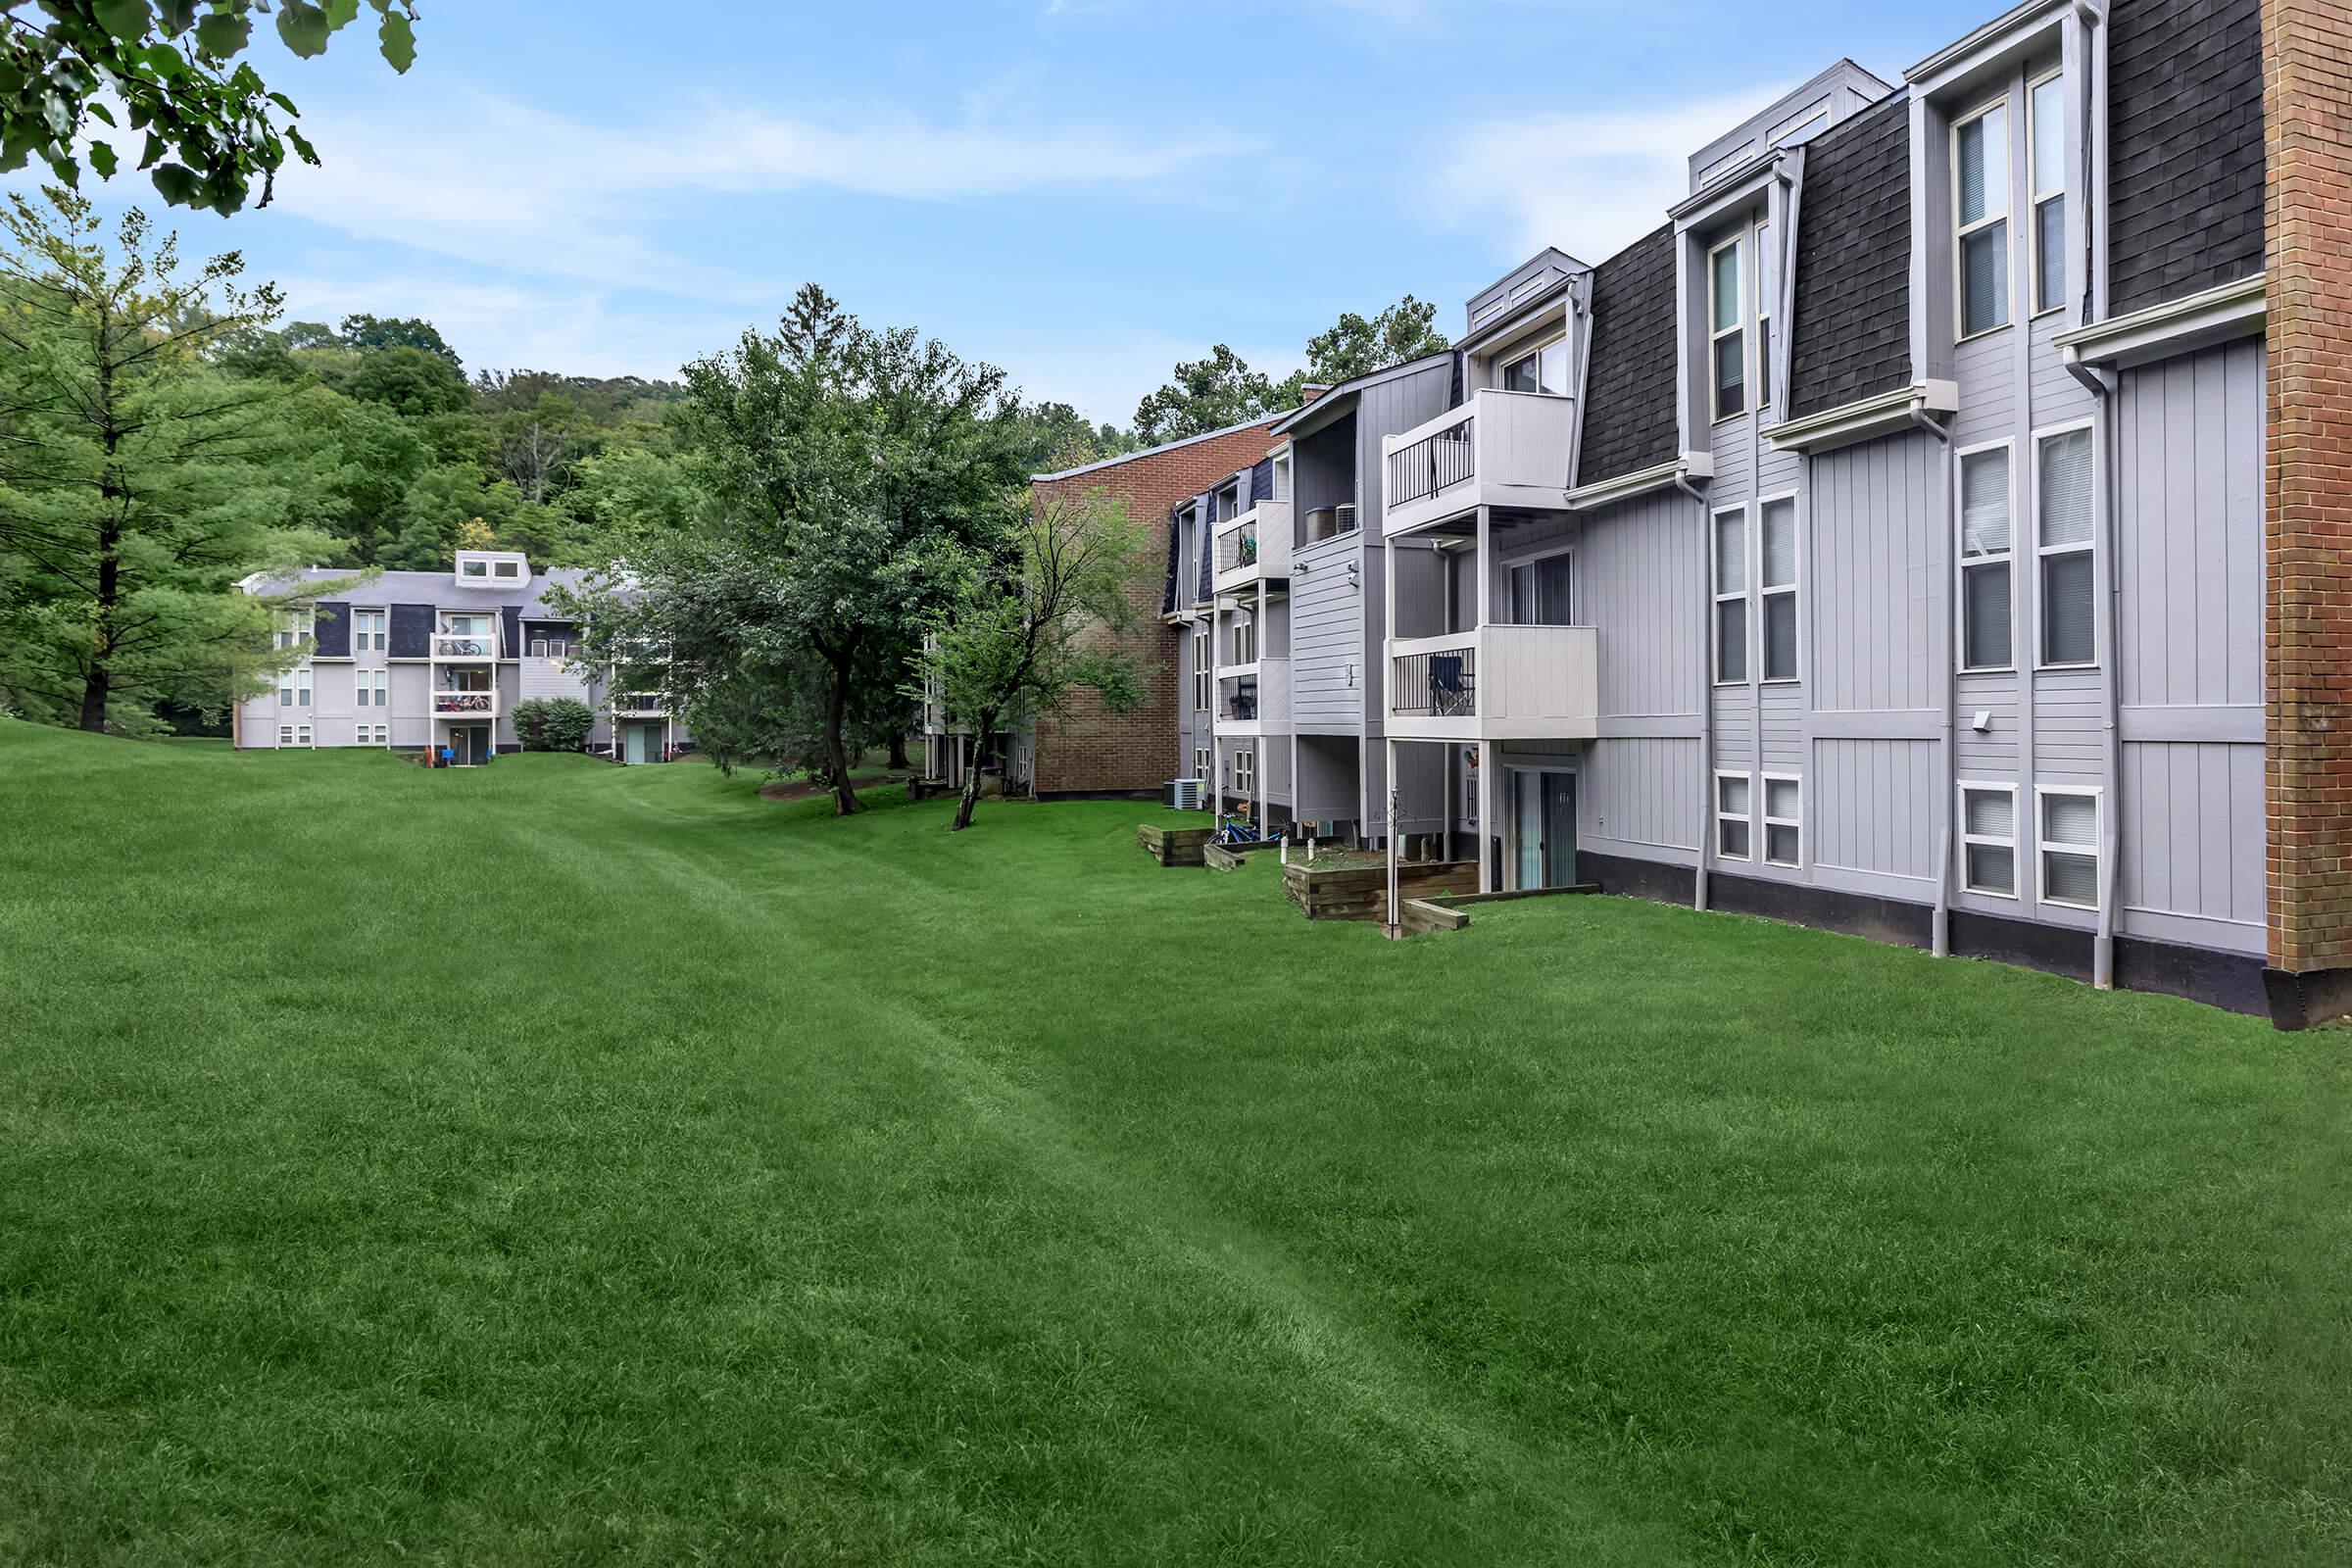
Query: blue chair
[(1448, 693)]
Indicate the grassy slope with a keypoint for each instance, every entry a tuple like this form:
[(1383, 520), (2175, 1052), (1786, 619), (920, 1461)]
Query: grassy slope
[(566, 1161)]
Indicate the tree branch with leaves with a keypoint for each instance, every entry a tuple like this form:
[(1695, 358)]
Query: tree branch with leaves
[(208, 124)]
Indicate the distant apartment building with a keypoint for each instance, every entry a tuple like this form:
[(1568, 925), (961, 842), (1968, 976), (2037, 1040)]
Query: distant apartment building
[(427, 660), (1936, 528)]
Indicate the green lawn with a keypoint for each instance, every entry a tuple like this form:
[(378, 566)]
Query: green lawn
[(562, 1161)]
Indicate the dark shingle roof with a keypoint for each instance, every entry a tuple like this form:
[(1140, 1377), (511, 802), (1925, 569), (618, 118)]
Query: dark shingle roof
[(1853, 263), (1629, 415)]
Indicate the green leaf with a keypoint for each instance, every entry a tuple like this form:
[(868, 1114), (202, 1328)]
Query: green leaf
[(302, 145), (176, 184), (124, 19), (399, 41), (100, 112), (102, 158), (174, 17), (223, 33), (304, 29), (155, 149), (67, 172), (341, 13)]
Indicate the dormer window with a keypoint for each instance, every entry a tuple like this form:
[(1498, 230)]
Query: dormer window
[(1544, 370), (509, 569), (473, 569), (1981, 210), (294, 628), (1727, 325)]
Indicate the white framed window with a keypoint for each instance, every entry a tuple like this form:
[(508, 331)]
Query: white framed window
[(1200, 673), (1542, 592), (1734, 815), (1200, 761), (505, 568), (1244, 641), (1245, 773), (285, 734), (2064, 486), (1731, 596), (375, 688), (367, 631), (1980, 218), (538, 648), (473, 569), (1784, 820), (374, 735), (2045, 115), (1727, 326), (1988, 602), (1776, 582), (2067, 846), (294, 687), (1766, 273), (559, 648), (1539, 369), (1989, 839), (294, 628)]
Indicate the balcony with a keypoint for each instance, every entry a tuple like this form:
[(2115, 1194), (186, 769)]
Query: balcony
[(1255, 699), (1496, 684), (460, 647), (650, 705), (1253, 546), (465, 705), (1501, 449)]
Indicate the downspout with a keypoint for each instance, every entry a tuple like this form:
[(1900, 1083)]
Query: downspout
[(1940, 940), (2090, 16), (1706, 691), (2104, 383)]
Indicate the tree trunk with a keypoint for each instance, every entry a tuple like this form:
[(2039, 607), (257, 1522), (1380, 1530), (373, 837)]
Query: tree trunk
[(837, 752), (969, 801), (898, 751)]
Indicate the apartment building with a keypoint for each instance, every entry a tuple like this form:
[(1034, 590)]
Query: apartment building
[(421, 659), (1881, 542), (1087, 750), (1275, 581)]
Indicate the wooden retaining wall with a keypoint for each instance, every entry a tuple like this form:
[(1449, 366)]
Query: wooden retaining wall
[(1361, 893), (1175, 846)]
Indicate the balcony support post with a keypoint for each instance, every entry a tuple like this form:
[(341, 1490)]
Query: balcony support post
[(1486, 569), (1395, 924), (1486, 815)]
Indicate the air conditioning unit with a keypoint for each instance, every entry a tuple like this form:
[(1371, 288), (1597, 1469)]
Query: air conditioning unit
[(1344, 514), (1186, 795)]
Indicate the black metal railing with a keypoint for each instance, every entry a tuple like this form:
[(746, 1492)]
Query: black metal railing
[(1432, 463), (1241, 703), (1237, 548), (1435, 685)]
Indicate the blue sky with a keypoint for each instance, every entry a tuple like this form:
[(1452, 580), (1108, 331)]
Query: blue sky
[(1082, 191)]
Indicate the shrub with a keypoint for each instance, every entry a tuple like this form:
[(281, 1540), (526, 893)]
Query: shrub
[(554, 723)]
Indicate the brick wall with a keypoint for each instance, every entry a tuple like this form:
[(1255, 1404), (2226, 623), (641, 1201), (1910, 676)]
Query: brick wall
[(1088, 749), (2307, 84)]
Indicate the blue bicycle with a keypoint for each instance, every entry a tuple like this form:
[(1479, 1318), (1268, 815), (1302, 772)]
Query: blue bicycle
[(1237, 830)]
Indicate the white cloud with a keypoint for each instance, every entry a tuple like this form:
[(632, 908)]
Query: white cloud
[(1590, 183), (577, 200)]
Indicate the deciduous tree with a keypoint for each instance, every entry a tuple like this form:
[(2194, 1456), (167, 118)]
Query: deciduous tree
[(1049, 613)]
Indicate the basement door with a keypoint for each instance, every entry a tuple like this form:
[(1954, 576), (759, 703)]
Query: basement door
[(1543, 827)]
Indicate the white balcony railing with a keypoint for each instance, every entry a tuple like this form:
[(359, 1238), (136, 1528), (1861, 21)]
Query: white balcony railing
[(1257, 544), (1498, 683), (464, 647), (466, 705), (1499, 449)]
